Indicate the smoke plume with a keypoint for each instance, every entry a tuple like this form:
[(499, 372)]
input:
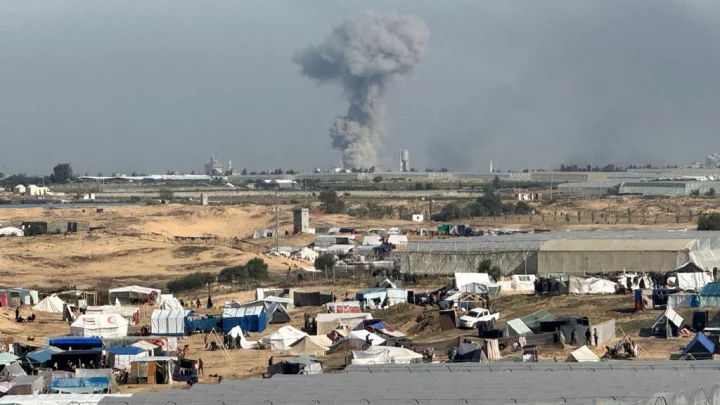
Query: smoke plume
[(364, 54)]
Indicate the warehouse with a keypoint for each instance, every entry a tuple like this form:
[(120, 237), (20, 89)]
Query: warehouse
[(564, 252)]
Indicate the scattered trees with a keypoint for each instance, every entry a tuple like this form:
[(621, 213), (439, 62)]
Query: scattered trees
[(190, 282), (710, 193), (331, 203), (377, 179), (255, 269), (493, 270), (709, 222), (325, 262), (62, 173), (166, 194)]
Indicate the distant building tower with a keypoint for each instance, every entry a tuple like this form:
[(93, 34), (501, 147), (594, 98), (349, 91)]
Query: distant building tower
[(301, 220), (491, 170), (214, 168), (404, 160)]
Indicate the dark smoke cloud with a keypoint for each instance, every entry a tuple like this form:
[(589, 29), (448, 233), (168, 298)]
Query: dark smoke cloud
[(364, 54)]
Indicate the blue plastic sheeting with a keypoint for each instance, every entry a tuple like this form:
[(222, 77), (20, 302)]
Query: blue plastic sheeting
[(711, 290), (76, 341), (379, 325), (43, 354), (85, 385), (252, 319), (204, 324), (699, 342)]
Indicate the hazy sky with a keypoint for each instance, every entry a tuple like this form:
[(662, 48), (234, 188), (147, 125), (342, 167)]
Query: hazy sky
[(160, 85)]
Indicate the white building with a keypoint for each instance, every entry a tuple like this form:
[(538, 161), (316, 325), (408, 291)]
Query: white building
[(33, 190), (19, 189)]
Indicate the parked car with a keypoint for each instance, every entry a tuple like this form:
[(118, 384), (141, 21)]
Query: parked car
[(476, 315)]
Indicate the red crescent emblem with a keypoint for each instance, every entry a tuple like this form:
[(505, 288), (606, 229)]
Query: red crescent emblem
[(111, 319)]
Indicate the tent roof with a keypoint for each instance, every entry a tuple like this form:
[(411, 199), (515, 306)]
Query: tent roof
[(131, 350), (169, 313), (361, 334), (42, 354), (688, 267), (463, 279), (145, 345), (710, 290), (703, 340), (51, 304), (242, 312), (7, 357), (533, 320), (583, 354), (75, 340), (99, 321), (134, 289), (518, 327), (671, 315), (286, 332)]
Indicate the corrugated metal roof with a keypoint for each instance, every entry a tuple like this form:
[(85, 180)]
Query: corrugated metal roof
[(615, 245)]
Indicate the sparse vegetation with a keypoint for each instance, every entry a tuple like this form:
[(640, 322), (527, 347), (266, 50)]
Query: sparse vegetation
[(255, 269), (190, 282), (487, 266), (325, 262), (709, 222)]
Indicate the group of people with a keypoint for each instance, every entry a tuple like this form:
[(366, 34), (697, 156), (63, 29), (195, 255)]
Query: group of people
[(310, 326), (559, 337), (20, 319), (71, 367), (196, 303)]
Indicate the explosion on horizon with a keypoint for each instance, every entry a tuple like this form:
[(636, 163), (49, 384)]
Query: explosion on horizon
[(364, 54)]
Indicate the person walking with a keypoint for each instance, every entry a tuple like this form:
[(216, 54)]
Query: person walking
[(200, 367), (595, 335), (17, 314), (588, 337), (573, 337)]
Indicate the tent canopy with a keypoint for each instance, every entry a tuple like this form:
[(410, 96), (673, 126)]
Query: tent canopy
[(671, 316), (284, 338), (375, 340), (385, 355), (516, 327), (51, 304), (311, 346), (700, 345), (582, 355), (251, 319), (463, 279), (168, 322), (100, 325)]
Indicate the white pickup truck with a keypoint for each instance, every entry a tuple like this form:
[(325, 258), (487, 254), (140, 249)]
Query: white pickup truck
[(476, 315)]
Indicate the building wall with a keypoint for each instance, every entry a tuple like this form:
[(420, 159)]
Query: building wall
[(585, 262), (448, 263)]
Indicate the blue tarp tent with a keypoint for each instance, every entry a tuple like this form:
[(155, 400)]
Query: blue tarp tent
[(250, 319), (75, 342), (42, 355), (193, 322), (84, 385), (701, 348)]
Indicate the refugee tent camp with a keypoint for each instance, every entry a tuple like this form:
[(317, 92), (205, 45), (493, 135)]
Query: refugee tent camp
[(276, 313), (283, 338), (375, 340), (100, 325), (250, 319), (311, 346), (120, 358), (690, 277), (582, 355), (516, 327), (523, 282), (380, 297), (385, 355), (51, 304), (343, 307), (463, 279), (169, 322), (700, 348), (134, 295)]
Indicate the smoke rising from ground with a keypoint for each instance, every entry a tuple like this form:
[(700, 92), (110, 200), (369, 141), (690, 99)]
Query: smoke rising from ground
[(364, 54)]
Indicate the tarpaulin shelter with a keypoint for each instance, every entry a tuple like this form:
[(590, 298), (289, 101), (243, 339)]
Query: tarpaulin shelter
[(385, 355), (284, 338), (6, 357), (100, 325), (516, 327), (80, 358), (683, 300), (372, 240), (276, 313), (375, 340), (343, 307), (237, 331), (690, 277), (591, 285), (26, 385), (119, 358), (81, 385), (326, 323), (397, 240), (151, 349), (448, 319), (134, 294), (312, 299), (710, 295), (296, 365), (380, 297), (51, 304), (533, 320), (468, 352), (40, 357), (132, 314), (205, 323), (582, 355), (463, 279), (11, 371), (27, 297), (153, 369), (700, 348), (169, 322), (311, 346), (667, 323), (523, 282), (251, 319)]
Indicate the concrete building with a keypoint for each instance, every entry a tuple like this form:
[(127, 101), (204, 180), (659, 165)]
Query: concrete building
[(301, 220), (214, 167), (404, 160), (668, 188), (279, 184), (36, 191), (19, 189), (564, 252)]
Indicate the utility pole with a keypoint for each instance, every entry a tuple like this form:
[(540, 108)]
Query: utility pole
[(277, 228)]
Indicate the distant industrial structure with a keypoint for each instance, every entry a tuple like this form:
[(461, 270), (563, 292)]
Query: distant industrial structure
[(214, 167), (404, 160)]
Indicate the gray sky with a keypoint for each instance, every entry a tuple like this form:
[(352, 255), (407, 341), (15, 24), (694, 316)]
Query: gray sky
[(159, 85)]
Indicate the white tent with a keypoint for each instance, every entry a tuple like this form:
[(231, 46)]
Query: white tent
[(463, 279), (523, 282), (11, 231), (311, 346), (168, 322), (375, 340), (133, 293), (132, 314), (386, 354), (591, 285), (237, 331), (283, 338), (327, 323), (170, 303), (397, 239), (51, 304), (693, 281), (100, 325), (306, 254), (372, 240), (582, 355)]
